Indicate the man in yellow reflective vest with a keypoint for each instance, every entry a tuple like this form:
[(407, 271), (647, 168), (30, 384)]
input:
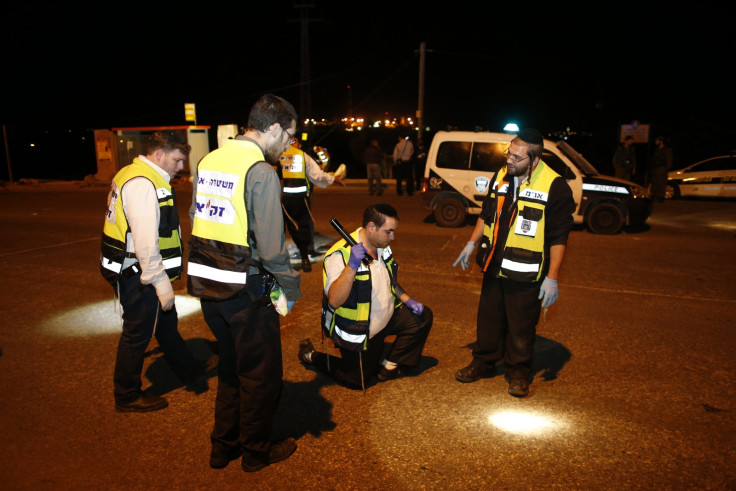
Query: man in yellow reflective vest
[(237, 257), (298, 172), (523, 229), (364, 304), (141, 256)]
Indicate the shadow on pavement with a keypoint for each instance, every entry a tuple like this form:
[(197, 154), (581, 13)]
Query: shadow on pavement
[(164, 380)]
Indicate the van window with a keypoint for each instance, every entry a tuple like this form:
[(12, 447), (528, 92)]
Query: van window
[(477, 156), (488, 157), (453, 155), (557, 164)]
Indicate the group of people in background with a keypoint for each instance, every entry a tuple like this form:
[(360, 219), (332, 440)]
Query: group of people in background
[(659, 164), (408, 161)]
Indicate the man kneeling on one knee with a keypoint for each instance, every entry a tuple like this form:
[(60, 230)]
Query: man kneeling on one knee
[(364, 303)]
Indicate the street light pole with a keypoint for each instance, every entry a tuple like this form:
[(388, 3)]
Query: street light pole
[(420, 104)]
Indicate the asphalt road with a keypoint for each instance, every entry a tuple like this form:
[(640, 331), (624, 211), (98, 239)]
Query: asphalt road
[(633, 387)]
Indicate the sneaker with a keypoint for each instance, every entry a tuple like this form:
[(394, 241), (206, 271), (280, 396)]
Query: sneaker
[(220, 460), (518, 387), (386, 374), (472, 374), (306, 348), (279, 451), (145, 403)]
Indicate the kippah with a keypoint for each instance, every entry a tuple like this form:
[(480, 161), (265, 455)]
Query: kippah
[(530, 135)]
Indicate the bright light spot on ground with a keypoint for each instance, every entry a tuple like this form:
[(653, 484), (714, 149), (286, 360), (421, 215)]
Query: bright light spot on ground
[(525, 423), (104, 317)]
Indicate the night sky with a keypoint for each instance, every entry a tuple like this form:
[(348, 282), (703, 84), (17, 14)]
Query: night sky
[(562, 64)]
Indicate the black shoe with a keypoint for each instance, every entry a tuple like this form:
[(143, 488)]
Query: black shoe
[(306, 348), (220, 460), (145, 403), (386, 374), (518, 387), (202, 368), (279, 451), (471, 374), (306, 265)]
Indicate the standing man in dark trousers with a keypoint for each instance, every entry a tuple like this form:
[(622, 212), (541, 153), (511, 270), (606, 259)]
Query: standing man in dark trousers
[(403, 154), (141, 257), (238, 256), (523, 229)]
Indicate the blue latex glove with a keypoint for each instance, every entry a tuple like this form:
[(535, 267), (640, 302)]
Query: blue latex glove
[(290, 304), (548, 292), (464, 257), (357, 253), (415, 306)]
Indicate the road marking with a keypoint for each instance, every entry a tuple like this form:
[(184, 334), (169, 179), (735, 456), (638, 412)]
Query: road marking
[(48, 247)]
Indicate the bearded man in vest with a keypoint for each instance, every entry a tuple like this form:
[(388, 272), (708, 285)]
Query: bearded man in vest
[(523, 229), (237, 258), (141, 257), (363, 303)]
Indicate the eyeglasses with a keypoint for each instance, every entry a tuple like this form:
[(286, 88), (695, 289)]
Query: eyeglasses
[(292, 138), (514, 158)]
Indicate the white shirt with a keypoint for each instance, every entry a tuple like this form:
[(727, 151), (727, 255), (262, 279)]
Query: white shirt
[(316, 175), (403, 151), (382, 300), (140, 204)]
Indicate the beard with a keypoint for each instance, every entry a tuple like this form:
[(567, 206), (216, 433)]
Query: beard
[(518, 170), (273, 153)]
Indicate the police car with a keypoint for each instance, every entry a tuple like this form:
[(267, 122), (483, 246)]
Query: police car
[(710, 178), (461, 164)]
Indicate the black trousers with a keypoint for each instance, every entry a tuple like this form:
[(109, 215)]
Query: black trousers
[(508, 313), (299, 222), (249, 374), (404, 172), (140, 307), (411, 335)]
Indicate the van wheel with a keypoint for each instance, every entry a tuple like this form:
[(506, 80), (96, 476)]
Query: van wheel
[(605, 219), (671, 191), (450, 213)]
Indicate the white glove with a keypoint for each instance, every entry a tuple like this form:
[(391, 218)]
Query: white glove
[(548, 292), (464, 257), (167, 300)]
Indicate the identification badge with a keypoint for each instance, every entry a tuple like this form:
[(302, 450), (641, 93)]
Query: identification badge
[(526, 227)]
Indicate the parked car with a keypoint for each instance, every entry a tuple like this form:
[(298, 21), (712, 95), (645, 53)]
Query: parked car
[(461, 164), (710, 178)]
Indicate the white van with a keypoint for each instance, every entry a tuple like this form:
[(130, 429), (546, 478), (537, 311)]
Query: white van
[(461, 164)]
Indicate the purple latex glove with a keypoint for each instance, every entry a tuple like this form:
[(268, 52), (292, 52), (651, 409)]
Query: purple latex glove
[(415, 306), (357, 253)]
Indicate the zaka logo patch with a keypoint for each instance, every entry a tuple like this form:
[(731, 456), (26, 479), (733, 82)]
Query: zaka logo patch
[(481, 184)]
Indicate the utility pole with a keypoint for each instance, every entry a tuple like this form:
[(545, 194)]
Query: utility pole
[(420, 104), (305, 96)]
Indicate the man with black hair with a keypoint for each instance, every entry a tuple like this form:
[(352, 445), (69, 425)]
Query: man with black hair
[(237, 257), (141, 257), (523, 229), (363, 303)]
